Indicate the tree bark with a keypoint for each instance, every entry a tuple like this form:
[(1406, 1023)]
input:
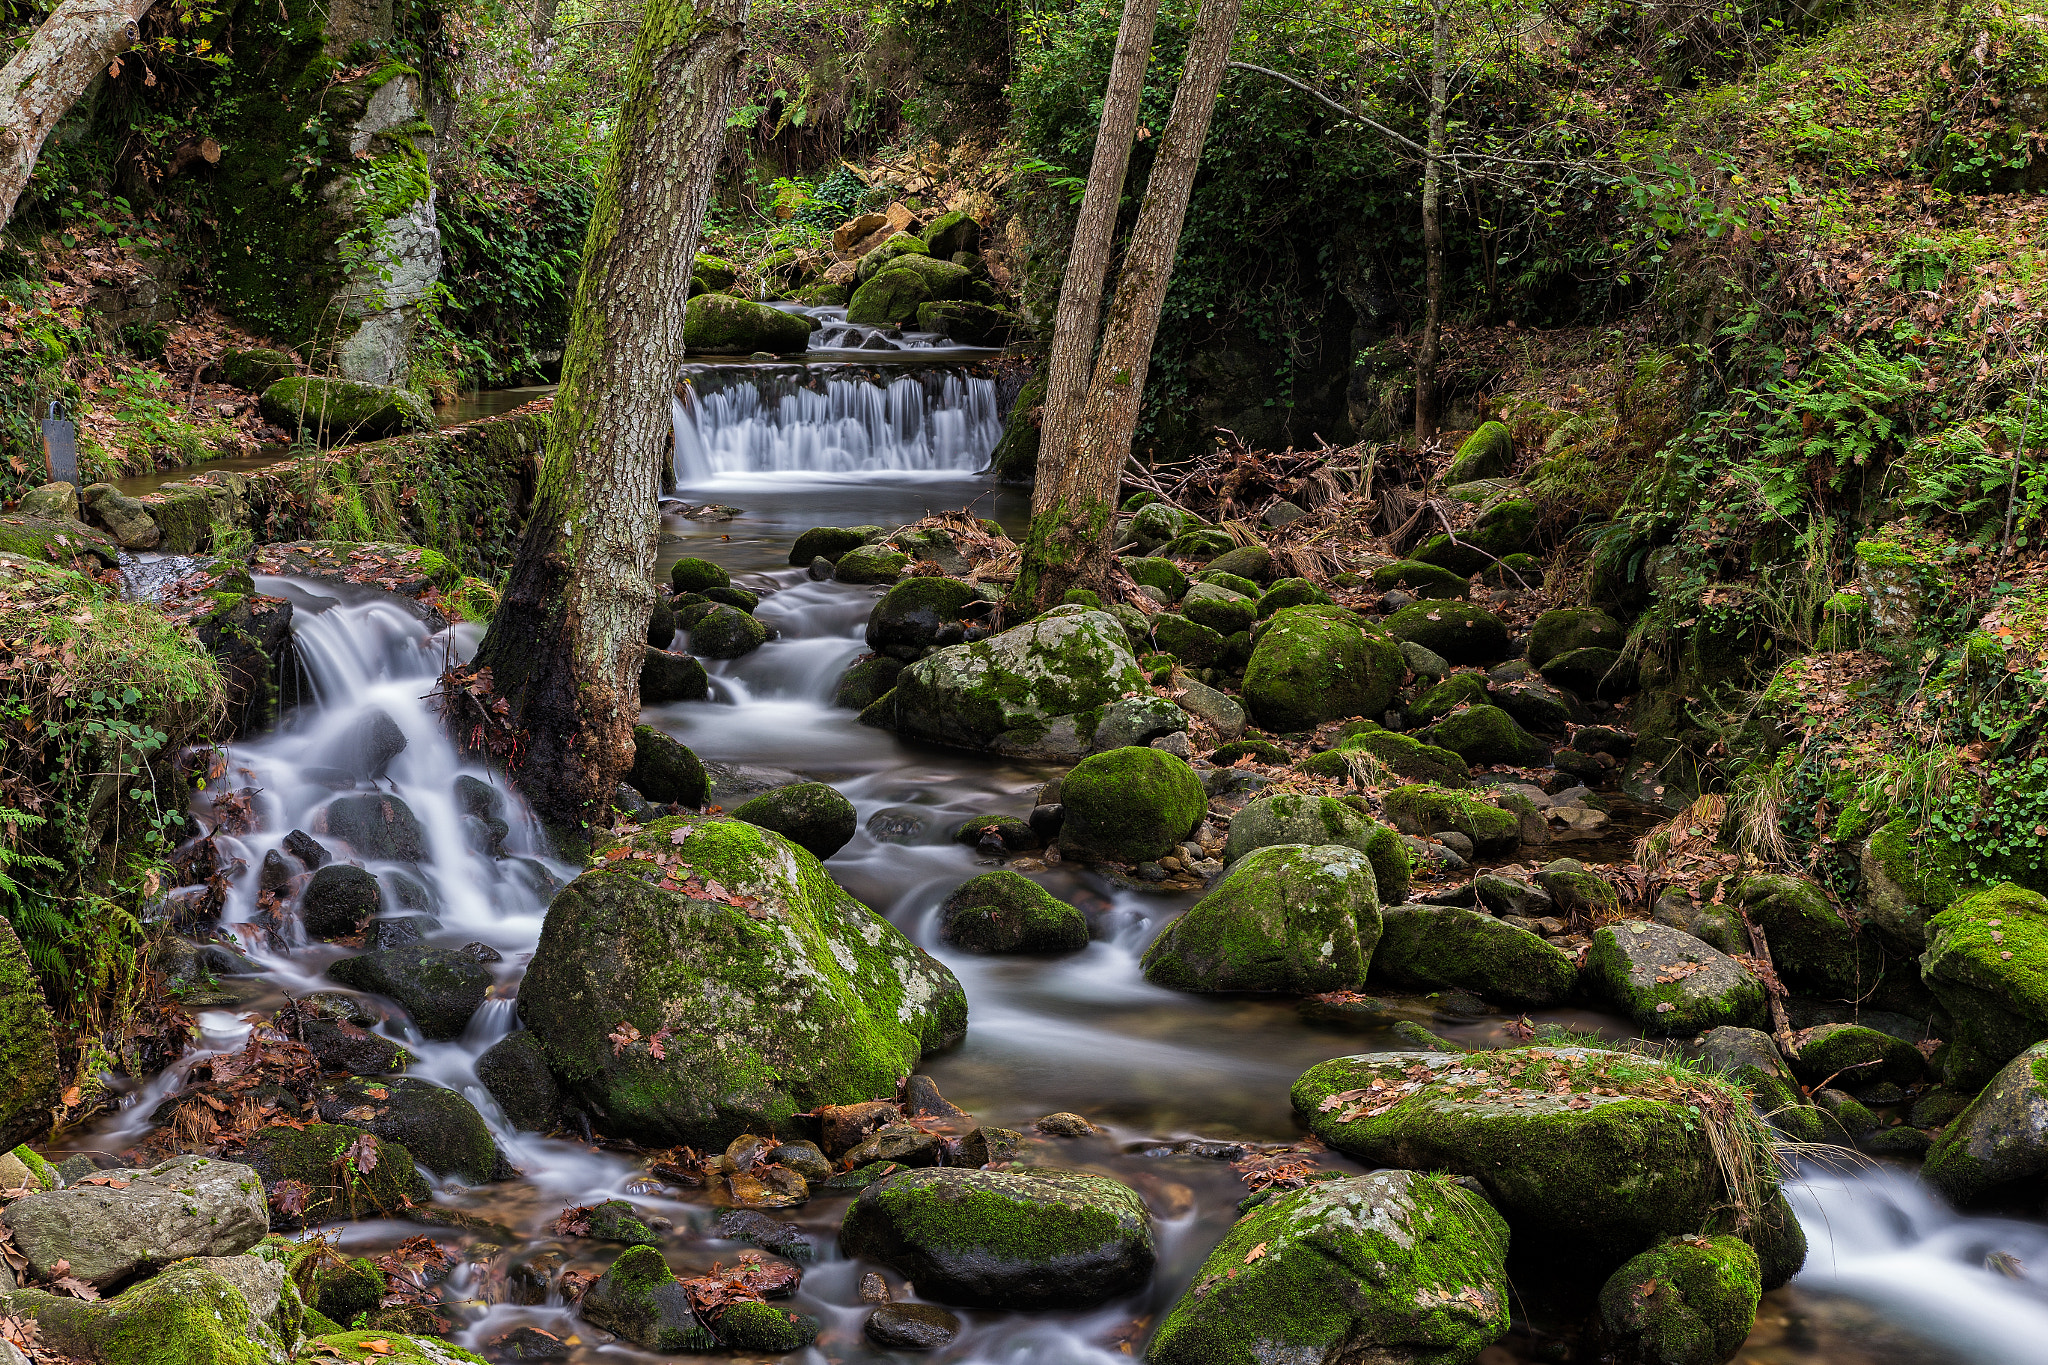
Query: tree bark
[(1433, 230), (1074, 511), (1079, 316), (43, 80), (566, 642)]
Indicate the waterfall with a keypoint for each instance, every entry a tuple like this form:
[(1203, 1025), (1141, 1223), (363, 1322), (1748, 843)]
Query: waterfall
[(837, 420)]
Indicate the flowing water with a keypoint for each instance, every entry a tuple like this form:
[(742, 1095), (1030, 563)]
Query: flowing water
[(1893, 1276)]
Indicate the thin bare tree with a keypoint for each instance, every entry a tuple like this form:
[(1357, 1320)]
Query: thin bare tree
[(41, 82)]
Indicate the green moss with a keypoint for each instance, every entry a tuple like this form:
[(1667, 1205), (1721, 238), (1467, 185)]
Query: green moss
[(400, 1350), (719, 324), (1487, 453), (1220, 609), (1129, 804), (1297, 919), (1433, 948), (1987, 965), (765, 1327), (186, 1313), (691, 574), (1460, 689), (1487, 734), (1307, 668), (1192, 643), (892, 297), (1162, 574), (1409, 758), (313, 1155), (1568, 628), (337, 1286), (340, 410), (891, 251), (1687, 1299), (44, 1173), (827, 543), (1460, 632), (1423, 809), (1007, 912), (1422, 580)]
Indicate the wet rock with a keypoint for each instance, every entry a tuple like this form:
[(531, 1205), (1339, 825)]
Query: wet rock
[(639, 1299), (842, 1126), (214, 1308), (815, 817), (378, 827), (667, 677), (910, 1326), (758, 1229), (1431, 947), (726, 632), (740, 599), (1293, 919), (366, 748), (1312, 664), (827, 543), (896, 825), (1006, 912), (439, 988), (1508, 896), (804, 1158), (1669, 982), (187, 1206), (1017, 1239), (913, 616), (1011, 691), (819, 570), (788, 988), (1685, 1301), (664, 770), (341, 1039), (1983, 964), (1392, 1266), (615, 1220), (867, 682), (527, 1343), (307, 849), (312, 1155), (694, 574), (997, 834), (871, 564), (1751, 1059), (1856, 1057), (441, 1129), (515, 1071), (763, 1327), (399, 931), (1064, 1125), (897, 1142), (1129, 805), (1999, 1144)]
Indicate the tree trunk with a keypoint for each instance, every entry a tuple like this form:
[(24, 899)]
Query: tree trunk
[(566, 641), (1433, 229), (1074, 511), (46, 78), (1079, 316)]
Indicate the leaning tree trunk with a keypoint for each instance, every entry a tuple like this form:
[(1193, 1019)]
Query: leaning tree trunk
[(566, 641), (45, 79), (1074, 511), (1079, 316), (1433, 230)]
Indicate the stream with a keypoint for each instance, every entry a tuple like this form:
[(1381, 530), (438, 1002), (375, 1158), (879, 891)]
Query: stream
[(1893, 1276)]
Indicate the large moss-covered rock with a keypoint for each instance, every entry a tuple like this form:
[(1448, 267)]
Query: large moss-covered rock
[(1685, 1301), (1750, 1058), (1294, 918), (889, 252), (780, 995), (665, 769), (1460, 689), (1191, 642), (1987, 964), (397, 1349), (1409, 758), (667, 677), (1220, 609), (1487, 734), (1817, 951), (893, 296), (1581, 1149), (1420, 580), (952, 232), (1565, 629), (1487, 453), (443, 1131), (811, 815), (439, 988), (827, 543), (1007, 912), (211, 1309), (1009, 691), (719, 324), (1670, 982), (1435, 947), (912, 616), (1020, 1238), (1423, 809), (1394, 1266), (1162, 574), (866, 683), (28, 1048), (1907, 878), (1852, 1056), (1308, 668), (335, 411), (1297, 818), (968, 322), (329, 1160), (639, 1298), (726, 632), (1999, 1145), (1459, 631), (1129, 805)]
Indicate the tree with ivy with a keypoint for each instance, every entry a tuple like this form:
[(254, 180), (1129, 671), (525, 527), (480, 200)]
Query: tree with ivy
[(565, 644), (41, 82), (1073, 506)]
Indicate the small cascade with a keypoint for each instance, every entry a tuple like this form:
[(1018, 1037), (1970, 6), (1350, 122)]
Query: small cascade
[(834, 421)]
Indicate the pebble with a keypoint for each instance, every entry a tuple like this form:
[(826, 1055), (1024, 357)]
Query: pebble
[(873, 1288), (911, 1326), (1064, 1125)]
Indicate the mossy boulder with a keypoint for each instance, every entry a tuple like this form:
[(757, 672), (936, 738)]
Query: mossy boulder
[(439, 988), (811, 815), (1129, 805), (862, 685), (1438, 947), (1459, 631), (640, 1299), (1291, 592), (1588, 1152), (1421, 809), (1254, 562), (443, 1131), (335, 1286), (1294, 919), (1565, 629), (1750, 1058), (1987, 964), (765, 1328), (779, 995), (726, 632), (1162, 574), (719, 324), (1391, 1266), (1487, 734), (1411, 759), (1460, 689), (1685, 1301), (1019, 1238), (215, 1309), (515, 1072), (1200, 546), (968, 322), (1220, 609), (1487, 453), (60, 540), (1421, 580), (1189, 641), (1853, 1056), (919, 613), (28, 1047), (1007, 912), (1999, 1145), (256, 368), (826, 543), (398, 1349), (1539, 707), (325, 1158), (893, 296), (890, 252), (692, 574), (337, 411), (1297, 818), (952, 232), (1307, 668), (1592, 671), (1028, 689), (871, 564), (667, 677), (665, 770), (1669, 982), (1906, 879), (1154, 524), (1817, 951)]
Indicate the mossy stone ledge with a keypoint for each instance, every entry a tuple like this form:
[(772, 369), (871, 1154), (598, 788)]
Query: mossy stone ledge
[(336, 411)]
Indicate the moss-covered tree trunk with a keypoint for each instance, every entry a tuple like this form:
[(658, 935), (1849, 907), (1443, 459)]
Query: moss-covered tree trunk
[(566, 642), (1079, 316), (1073, 509), (44, 79)]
